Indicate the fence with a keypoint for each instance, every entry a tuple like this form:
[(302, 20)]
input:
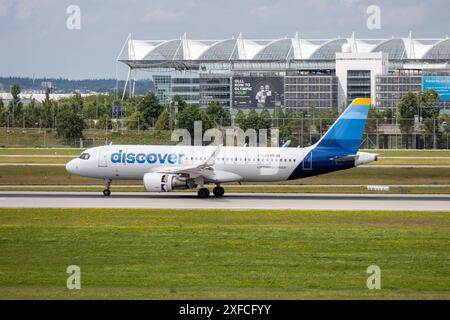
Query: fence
[(379, 134)]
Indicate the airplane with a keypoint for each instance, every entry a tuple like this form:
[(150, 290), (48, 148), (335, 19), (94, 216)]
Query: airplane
[(168, 168)]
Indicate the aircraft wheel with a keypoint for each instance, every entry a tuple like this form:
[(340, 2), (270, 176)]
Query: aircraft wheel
[(203, 193), (218, 191), (106, 192)]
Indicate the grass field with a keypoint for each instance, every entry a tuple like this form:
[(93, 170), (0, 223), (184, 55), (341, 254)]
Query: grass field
[(409, 153), (48, 139), (60, 159), (29, 176), (41, 151), (156, 254), (77, 151), (49, 175)]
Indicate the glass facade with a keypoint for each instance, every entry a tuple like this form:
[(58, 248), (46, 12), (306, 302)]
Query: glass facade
[(163, 88), (391, 88), (311, 91), (188, 88), (358, 84), (215, 88), (168, 86), (308, 67)]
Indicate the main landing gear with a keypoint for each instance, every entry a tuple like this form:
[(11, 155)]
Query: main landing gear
[(107, 192), (218, 191), (204, 192)]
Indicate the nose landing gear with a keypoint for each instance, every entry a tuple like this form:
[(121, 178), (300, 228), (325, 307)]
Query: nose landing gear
[(107, 192)]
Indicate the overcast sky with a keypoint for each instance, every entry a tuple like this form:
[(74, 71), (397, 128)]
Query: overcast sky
[(35, 39)]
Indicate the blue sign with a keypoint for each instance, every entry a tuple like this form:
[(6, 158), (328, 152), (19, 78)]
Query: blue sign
[(440, 84)]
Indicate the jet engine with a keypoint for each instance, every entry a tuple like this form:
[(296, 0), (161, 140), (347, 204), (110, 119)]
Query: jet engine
[(161, 182)]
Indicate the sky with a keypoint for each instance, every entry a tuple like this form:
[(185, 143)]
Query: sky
[(36, 41)]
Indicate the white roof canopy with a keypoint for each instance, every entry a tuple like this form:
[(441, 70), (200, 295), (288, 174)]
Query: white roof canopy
[(296, 48)]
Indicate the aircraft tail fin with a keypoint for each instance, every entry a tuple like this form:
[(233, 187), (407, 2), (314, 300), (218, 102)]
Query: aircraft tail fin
[(346, 133)]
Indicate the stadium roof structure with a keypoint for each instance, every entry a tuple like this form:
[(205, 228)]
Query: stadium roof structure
[(187, 53)]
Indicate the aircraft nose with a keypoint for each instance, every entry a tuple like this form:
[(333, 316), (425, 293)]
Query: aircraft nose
[(71, 166)]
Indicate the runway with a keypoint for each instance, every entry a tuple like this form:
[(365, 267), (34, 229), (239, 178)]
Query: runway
[(236, 201)]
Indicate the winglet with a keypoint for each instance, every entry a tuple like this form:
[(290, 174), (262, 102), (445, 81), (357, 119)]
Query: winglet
[(212, 159)]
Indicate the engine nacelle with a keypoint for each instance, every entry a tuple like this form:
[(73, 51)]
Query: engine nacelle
[(161, 182)]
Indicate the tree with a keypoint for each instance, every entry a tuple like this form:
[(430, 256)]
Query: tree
[(15, 105), (218, 114), (3, 113), (445, 123), (252, 121), (286, 133), (134, 121), (179, 102), (46, 111), (278, 117), (240, 120), (327, 118), (104, 122), (407, 109), (373, 119), (265, 120), (150, 108), (163, 122), (187, 117), (429, 111), (77, 102), (70, 124)]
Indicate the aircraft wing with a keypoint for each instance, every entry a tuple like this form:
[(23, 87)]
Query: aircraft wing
[(204, 169)]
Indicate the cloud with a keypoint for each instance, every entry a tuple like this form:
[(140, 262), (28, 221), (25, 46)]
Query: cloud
[(5, 7), (263, 12), (419, 14), (29, 23), (159, 15), (23, 11), (349, 3)]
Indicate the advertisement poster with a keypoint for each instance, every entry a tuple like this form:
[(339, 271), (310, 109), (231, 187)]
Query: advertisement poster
[(440, 84), (258, 92)]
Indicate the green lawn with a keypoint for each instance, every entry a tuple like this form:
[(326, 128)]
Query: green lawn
[(166, 254), (63, 159), (128, 140), (410, 153), (41, 151), (46, 139), (245, 189), (51, 175)]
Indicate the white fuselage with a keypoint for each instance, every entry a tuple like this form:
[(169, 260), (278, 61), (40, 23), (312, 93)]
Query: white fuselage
[(253, 164), (129, 162)]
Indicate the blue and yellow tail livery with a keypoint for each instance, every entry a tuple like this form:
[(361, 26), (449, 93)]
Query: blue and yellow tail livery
[(346, 133)]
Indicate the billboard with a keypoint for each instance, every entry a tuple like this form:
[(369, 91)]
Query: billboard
[(440, 84), (258, 92)]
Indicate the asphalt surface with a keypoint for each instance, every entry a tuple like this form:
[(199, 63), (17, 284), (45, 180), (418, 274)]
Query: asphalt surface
[(126, 200)]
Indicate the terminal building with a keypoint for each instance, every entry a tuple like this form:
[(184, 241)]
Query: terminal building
[(292, 72)]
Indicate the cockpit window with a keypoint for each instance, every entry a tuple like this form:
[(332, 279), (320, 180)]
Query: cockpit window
[(84, 156)]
